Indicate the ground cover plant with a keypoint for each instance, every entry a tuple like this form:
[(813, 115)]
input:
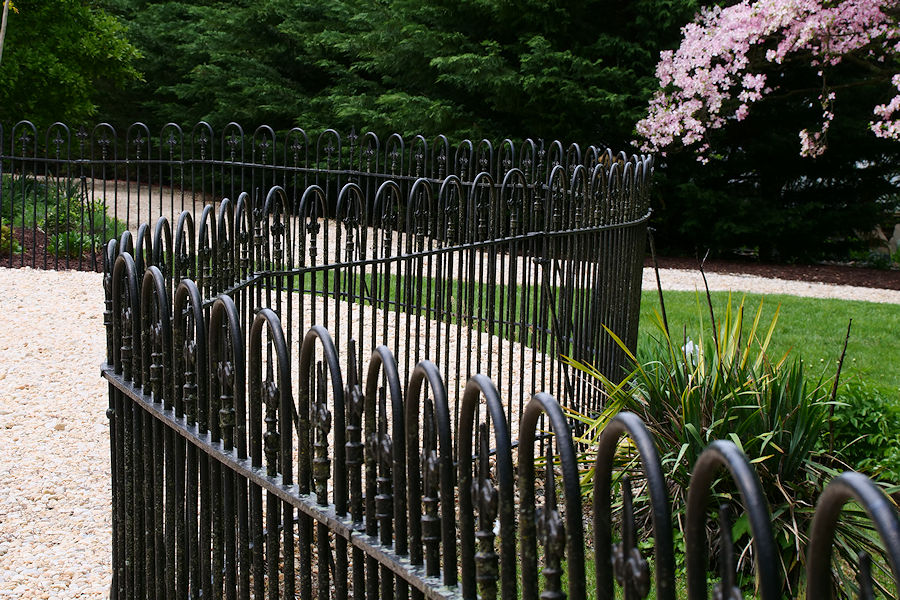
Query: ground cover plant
[(56, 207)]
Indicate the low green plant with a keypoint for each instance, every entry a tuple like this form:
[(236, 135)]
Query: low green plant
[(72, 244), (74, 225), (725, 385), (67, 216), (865, 430), (8, 242)]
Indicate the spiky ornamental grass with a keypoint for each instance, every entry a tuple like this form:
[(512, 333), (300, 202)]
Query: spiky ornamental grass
[(724, 385)]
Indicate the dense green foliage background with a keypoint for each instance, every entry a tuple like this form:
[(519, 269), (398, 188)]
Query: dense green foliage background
[(573, 70), (467, 68), (58, 58)]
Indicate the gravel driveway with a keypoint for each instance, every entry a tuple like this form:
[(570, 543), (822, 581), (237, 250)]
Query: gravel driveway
[(54, 462)]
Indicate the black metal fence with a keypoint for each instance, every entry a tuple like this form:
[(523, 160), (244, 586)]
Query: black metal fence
[(256, 453), (230, 481), (65, 192)]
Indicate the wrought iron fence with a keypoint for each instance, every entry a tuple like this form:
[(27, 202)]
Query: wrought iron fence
[(241, 468), (65, 192), (256, 452)]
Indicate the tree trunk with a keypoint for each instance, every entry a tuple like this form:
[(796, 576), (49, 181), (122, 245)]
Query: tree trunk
[(3, 26)]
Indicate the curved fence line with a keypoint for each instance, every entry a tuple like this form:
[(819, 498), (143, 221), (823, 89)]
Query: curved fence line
[(231, 478), (70, 190), (481, 276)]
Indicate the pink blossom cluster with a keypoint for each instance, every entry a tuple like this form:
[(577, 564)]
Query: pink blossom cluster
[(715, 75), (888, 123)]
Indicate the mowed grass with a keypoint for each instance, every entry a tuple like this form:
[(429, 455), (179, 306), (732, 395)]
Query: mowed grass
[(812, 329)]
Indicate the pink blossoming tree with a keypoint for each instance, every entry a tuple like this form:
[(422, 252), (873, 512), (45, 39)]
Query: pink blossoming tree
[(729, 57)]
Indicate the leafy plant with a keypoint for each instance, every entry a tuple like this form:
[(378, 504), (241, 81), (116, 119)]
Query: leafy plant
[(8, 242), (73, 224), (66, 216), (865, 426), (72, 244), (724, 385)]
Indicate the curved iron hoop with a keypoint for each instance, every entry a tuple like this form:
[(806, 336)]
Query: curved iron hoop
[(264, 139), (462, 160), (477, 386), (295, 146), (845, 487), (206, 255), (157, 342), (266, 318), (162, 248), (599, 192), (626, 423), (417, 157), (481, 184), (426, 371), (539, 404), (379, 204), (725, 454), (573, 156), (109, 260), (171, 141), (392, 153), (304, 470), (578, 198), (514, 180), (58, 141), (440, 154), (485, 156), (108, 136), (507, 158), (188, 292), (383, 360), (126, 352), (184, 253), (310, 209), (528, 159), (235, 141), (202, 135), (126, 243), (225, 240), (350, 201), (143, 248), (556, 186), (418, 203), (329, 149), (277, 205), (369, 149), (224, 312)]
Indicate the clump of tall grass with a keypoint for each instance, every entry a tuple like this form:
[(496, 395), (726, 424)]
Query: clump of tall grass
[(725, 385)]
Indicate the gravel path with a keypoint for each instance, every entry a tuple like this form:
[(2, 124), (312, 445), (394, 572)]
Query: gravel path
[(54, 464)]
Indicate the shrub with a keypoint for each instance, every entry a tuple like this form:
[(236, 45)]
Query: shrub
[(865, 427), (71, 244), (8, 242), (72, 224), (68, 216)]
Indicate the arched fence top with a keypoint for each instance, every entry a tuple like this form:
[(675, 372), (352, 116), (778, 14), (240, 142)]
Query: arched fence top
[(726, 454), (411, 514), (880, 510)]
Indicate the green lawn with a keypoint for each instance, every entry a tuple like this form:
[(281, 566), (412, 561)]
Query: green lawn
[(812, 329)]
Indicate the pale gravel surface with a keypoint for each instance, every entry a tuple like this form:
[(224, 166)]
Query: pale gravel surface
[(54, 449)]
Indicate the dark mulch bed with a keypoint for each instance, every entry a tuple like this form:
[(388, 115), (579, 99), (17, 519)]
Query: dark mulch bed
[(34, 254), (824, 273)]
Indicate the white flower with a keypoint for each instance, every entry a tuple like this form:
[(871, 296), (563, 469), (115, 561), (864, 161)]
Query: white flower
[(690, 351)]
